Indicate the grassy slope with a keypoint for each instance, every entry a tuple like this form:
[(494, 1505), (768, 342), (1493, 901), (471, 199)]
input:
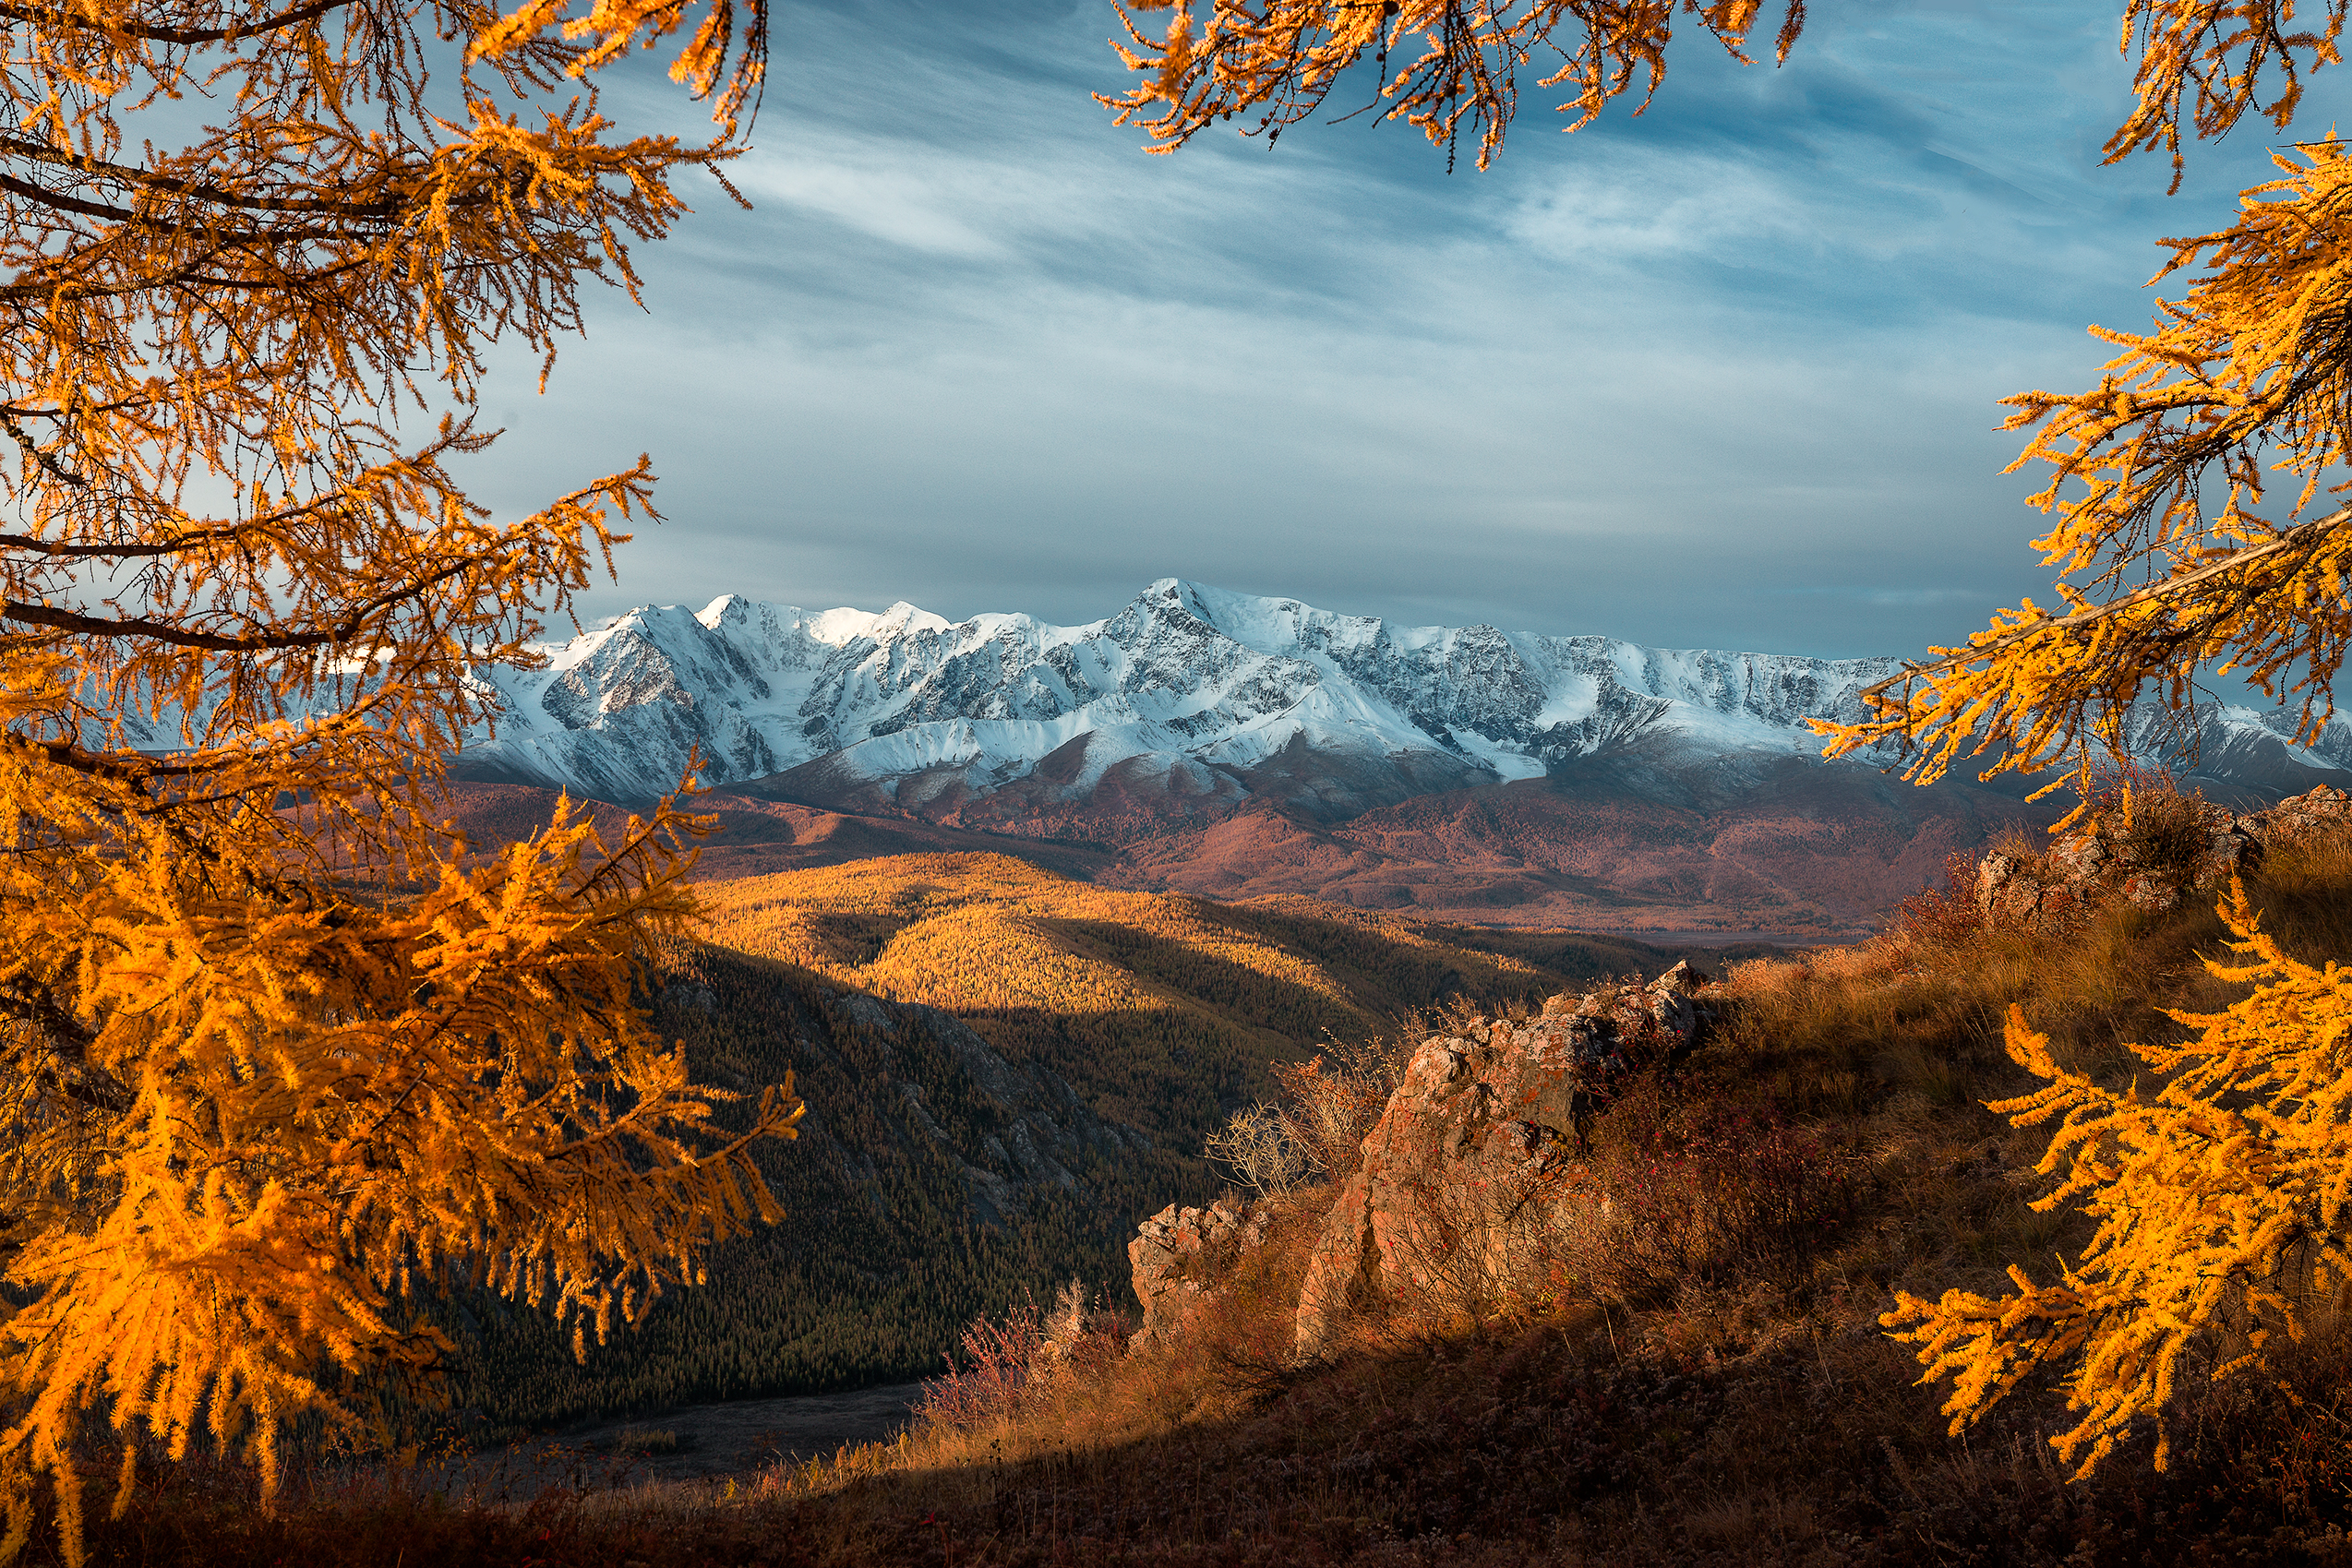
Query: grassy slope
[(1161, 1011), (1749, 1412), (1746, 1409)]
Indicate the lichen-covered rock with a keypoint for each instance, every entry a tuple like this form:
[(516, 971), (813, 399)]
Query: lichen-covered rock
[(1479, 1112), (2101, 865), (1181, 1258), (2314, 812)]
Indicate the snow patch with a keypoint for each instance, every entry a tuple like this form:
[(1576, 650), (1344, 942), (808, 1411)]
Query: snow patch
[(1187, 676)]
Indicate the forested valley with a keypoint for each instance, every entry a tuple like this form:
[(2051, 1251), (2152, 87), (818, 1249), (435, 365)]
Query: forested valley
[(1004, 1070)]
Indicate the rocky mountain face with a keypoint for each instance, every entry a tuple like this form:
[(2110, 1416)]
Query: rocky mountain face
[(1479, 1108), (1189, 692), (1190, 698), (1238, 746), (1470, 1150)]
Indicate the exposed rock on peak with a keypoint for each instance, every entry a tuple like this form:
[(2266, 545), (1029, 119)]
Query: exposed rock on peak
[(1189, 697), (1479, 1108), (1179, 1255), (1212, 693), (2198, 847), (1476, 1113)]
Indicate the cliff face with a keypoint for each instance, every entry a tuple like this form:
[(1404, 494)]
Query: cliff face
[(1440, 1204), (1180, 1255), (1444, 1202)]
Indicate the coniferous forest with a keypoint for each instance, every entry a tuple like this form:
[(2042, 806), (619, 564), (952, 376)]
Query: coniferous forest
[(2014, 1234)]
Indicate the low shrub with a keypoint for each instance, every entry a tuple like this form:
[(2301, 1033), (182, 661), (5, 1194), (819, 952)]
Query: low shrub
[(1693, 1184), (1935, 919), (993, 1376), (2154, 825), (1330, 1102), (645, 1441)]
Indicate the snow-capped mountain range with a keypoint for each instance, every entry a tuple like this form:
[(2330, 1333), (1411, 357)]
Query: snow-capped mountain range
[(1188, 691)]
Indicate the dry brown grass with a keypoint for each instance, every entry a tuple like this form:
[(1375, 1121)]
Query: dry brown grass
[(1920, 1008), (1716, 1390)]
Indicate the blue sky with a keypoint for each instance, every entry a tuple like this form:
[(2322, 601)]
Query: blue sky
[(1721, 375)]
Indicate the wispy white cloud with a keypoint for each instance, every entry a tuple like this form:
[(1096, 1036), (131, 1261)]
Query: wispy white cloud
[(1669, 377), (886, 202), (1630, 204)]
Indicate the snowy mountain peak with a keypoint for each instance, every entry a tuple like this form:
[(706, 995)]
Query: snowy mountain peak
[(1189, 690)]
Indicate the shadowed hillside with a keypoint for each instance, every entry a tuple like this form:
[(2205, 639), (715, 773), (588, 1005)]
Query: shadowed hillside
[(1004, 1069), (1164, 1010), (1692, 1371)]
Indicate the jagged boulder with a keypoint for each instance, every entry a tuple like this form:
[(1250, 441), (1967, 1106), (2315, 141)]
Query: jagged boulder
[(1480, 1112), (2106, 864), (2314, 812), (1181, 1258)]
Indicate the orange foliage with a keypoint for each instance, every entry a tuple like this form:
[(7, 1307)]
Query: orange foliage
[(246, 1107)]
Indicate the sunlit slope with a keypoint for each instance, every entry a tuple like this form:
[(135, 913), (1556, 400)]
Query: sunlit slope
[(1163, 1010)]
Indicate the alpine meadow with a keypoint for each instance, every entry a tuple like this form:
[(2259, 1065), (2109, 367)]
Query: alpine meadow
[(1153, 1036)]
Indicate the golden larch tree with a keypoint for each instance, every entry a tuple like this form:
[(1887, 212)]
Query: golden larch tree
[(2221, 1200), (2193, 490), (277, 1054)]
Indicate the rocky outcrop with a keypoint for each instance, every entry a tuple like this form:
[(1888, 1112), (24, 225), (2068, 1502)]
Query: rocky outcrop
[(1489, 1116), (1183, 1257), (1479, 1113), (2200, 848)]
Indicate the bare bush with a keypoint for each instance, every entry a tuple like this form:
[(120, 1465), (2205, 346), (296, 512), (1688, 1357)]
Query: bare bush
[(1495, 1249), (2159, 827), (1333, 1101), (1934, 921), (1259, 1145), (994, 1376), (1682, 1186), (1085, 1333), (1694, 1187)]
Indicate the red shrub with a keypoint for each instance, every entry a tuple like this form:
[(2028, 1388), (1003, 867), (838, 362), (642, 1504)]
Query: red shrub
[(1941, 918), (1695, 1185), (998, 1359)]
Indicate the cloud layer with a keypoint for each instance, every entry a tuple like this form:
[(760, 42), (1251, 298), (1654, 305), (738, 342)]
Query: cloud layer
[(1723, 375)]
